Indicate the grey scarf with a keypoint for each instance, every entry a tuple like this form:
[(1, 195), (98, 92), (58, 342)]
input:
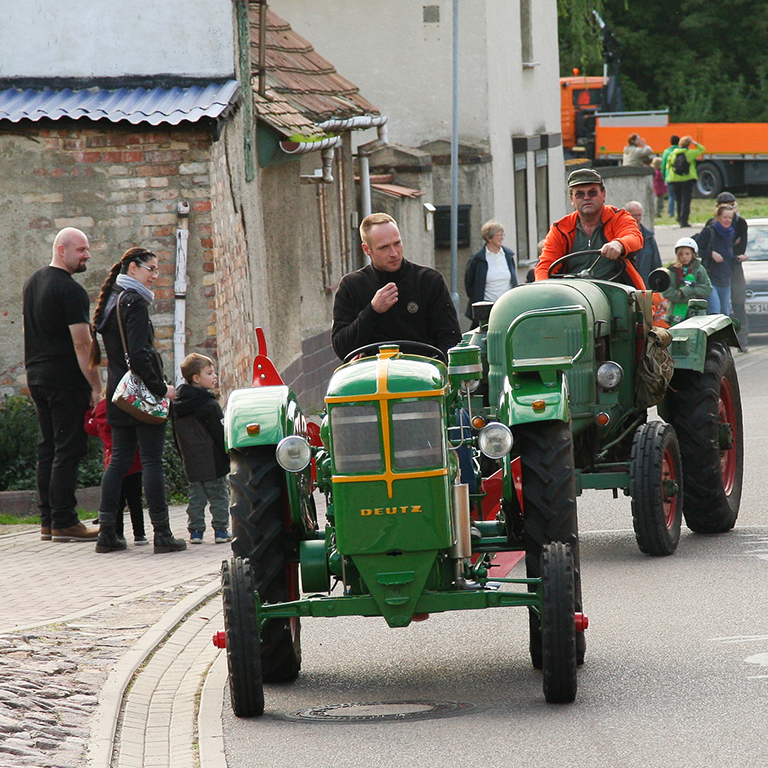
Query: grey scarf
[(127, 283)]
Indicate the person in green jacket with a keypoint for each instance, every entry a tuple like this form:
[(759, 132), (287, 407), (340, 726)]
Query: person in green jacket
[(689, 280), (681, 175)]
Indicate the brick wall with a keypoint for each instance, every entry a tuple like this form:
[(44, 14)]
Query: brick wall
[(121, 185)]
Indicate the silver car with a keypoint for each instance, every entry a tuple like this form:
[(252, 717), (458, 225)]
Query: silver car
[(756, 276)]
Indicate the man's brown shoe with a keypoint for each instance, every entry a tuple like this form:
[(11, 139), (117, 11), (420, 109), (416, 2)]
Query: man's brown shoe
[(76, 532), (45, 532)]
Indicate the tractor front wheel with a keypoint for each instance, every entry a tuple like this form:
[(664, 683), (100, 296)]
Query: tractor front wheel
[(241, 626), (558, 623), (549, 502), (705, 410), (656, 486), (260, 516)]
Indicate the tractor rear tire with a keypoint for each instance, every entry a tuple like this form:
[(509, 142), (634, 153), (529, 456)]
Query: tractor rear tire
[(259, 514), (656, 487), (558, 624), (246, 689), (549, 502), (705, 410)]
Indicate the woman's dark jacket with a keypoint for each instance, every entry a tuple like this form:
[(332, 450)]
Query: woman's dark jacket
[(477, 272), (709, 239), (145, 360)]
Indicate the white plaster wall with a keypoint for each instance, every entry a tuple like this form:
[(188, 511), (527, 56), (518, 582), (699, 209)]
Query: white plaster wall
[(403, 66), (105, 38), (400, 63)]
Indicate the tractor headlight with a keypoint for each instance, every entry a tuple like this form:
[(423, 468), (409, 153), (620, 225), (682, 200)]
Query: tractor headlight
[(293, 453), (495, 440), (609, 375)]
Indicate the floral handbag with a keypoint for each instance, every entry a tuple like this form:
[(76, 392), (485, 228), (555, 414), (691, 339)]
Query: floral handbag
[(131, 393)]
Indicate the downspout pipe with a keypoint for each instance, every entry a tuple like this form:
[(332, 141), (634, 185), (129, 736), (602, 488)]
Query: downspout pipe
[(326, 148), (262, 82), (361, 122), (180, 292)]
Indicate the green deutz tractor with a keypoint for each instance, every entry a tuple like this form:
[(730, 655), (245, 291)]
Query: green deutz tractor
[(433, 470)]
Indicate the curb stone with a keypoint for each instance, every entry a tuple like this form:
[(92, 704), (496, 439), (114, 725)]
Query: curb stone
[(111, 697)]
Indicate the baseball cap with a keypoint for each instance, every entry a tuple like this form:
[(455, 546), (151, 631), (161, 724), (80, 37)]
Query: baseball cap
[(687, 242), (584, 176), (726, 197)]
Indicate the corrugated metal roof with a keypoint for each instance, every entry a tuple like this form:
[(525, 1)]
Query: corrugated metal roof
[(300, 79), (133, 105)]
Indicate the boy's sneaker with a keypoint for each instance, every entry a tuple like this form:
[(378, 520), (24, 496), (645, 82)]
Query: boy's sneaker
[(222, 537), (196, 537), (140, 541)]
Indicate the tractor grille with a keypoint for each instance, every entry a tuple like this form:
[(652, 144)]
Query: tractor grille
[(417, 434), (356, 439)]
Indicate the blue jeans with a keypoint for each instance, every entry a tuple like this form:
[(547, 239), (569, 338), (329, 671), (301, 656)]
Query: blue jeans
[(61, 443), (719, 301), (202, 492), (150, 439), (671, 202)]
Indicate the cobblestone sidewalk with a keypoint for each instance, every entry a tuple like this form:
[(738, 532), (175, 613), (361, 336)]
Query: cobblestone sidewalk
[(68, 619)]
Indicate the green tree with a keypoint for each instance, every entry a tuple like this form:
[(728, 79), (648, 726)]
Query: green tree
[(702, 60)]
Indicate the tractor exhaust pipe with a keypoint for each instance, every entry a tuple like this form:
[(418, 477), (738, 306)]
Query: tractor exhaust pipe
[(462, 547)]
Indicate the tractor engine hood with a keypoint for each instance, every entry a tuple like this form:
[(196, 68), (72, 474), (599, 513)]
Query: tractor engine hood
[(545, 326)]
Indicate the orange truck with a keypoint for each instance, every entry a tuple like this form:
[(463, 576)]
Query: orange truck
[(736, 153)]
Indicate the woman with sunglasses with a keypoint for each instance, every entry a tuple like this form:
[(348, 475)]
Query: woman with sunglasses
[(127, 290), (593, 226)]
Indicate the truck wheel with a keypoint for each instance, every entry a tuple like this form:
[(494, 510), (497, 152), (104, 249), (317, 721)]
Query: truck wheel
[(656, 487), (549, 503), (246, 689), (558, 623), (710, 181), (259, 511), (705, 410)]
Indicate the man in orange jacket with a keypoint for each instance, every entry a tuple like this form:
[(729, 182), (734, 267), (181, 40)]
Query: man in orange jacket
[(593, 226)]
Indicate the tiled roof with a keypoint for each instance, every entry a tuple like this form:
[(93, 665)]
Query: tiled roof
[(303, 88), (134, 105)]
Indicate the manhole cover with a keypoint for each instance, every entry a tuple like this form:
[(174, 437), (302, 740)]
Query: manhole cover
[(380, 711)]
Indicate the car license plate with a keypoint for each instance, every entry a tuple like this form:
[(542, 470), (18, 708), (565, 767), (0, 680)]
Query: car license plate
[(756, 308)]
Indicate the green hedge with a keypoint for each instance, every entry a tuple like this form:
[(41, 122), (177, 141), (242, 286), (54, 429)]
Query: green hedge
[(18, 453)]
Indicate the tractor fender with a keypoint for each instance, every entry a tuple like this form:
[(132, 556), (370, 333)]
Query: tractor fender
[(261, 416), (689, 339), (523, 403)]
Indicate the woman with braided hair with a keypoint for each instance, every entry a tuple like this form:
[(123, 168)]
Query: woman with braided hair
[(127, 290)]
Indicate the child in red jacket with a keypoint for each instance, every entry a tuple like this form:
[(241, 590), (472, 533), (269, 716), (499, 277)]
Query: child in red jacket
[(130, 493)]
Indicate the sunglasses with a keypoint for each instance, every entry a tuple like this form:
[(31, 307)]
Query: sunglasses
[(589, 193)]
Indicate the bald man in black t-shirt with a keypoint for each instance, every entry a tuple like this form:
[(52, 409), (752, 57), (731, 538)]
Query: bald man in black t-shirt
[(57, 345)]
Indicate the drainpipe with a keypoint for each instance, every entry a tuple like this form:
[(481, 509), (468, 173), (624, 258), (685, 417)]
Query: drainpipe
[(180, 291), (365, 184), (361, 123), (262, 87), (325, 146)]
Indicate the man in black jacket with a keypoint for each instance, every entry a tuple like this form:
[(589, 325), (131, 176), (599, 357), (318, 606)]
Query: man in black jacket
[(391, 299)]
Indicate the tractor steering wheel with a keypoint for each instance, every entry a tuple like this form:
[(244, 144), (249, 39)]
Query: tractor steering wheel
[(418, 347), (585, 273)]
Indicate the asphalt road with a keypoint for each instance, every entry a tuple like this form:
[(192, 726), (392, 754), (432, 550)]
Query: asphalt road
[(676, 671)]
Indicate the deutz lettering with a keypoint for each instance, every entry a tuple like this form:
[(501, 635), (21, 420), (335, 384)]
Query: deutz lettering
[(415, 509)]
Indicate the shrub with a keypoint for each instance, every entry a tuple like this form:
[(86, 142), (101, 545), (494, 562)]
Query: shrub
[(18, 453), (18, 443)]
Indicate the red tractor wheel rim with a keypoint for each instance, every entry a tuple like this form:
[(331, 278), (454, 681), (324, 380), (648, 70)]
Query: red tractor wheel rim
[(669, 489), (727, 455)]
